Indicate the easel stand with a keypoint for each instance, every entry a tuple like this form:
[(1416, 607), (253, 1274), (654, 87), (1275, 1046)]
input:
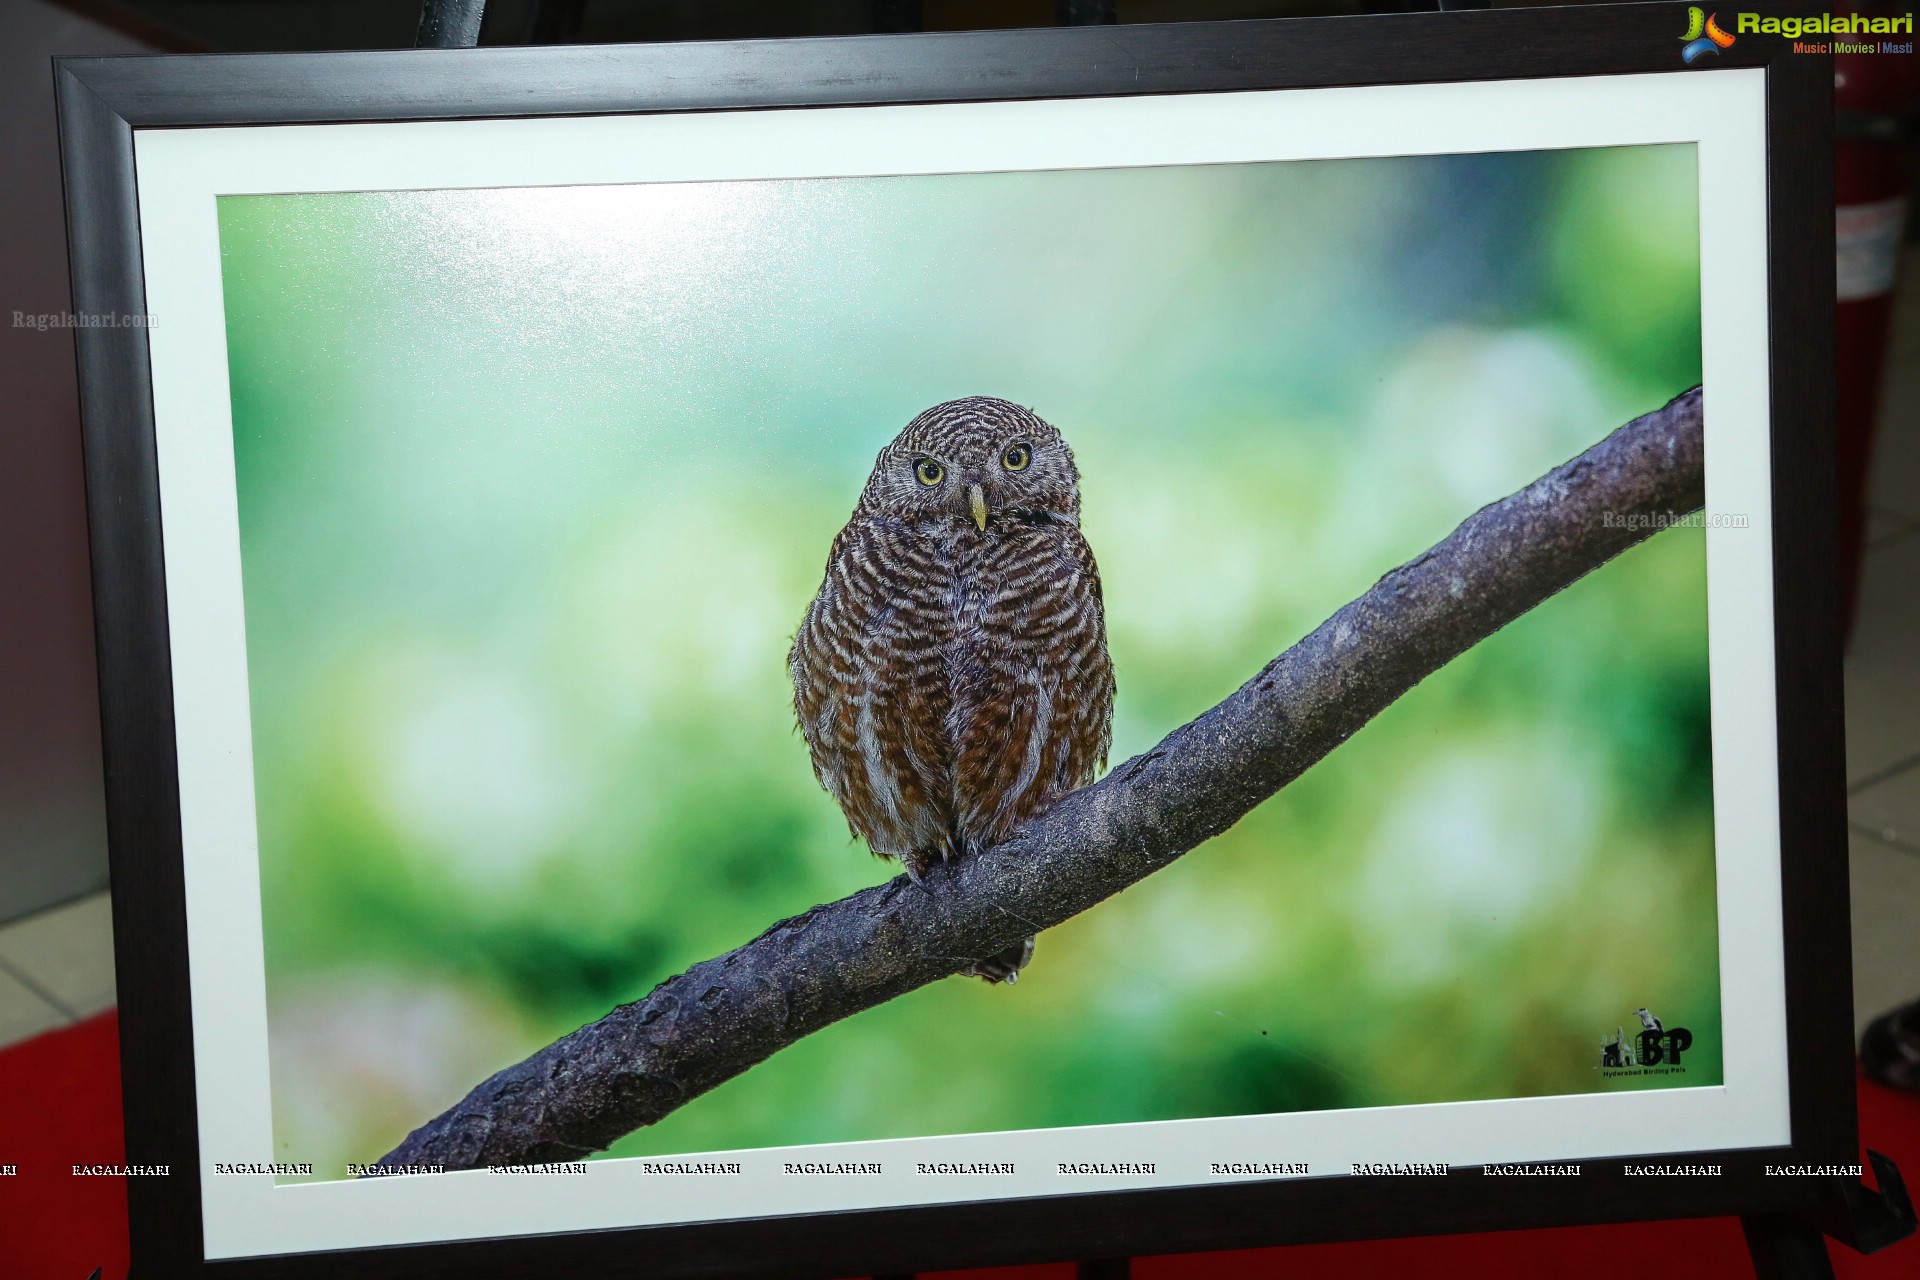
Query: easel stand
[(1794, 1247)]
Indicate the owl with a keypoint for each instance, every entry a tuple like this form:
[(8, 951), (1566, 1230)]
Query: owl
[(951, 677)]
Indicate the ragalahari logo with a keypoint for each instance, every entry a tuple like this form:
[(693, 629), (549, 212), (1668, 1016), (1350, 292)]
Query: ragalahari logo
[(1703, 37)]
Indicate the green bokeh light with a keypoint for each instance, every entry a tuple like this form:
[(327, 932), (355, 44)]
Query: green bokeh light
[(535, 485)]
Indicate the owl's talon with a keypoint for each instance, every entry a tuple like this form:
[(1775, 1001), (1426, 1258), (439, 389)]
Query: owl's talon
[(1004, 967)]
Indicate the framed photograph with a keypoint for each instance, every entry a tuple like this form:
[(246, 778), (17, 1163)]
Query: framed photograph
[(635, 583)]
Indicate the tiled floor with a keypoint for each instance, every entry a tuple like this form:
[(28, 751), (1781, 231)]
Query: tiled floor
[(57, 967), (1883, 696)]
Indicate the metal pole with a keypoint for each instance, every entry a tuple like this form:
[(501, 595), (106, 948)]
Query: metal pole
[(898, 15), (450, 24), (1086, 13)]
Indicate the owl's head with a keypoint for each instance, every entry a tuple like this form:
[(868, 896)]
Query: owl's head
[(975, 461)]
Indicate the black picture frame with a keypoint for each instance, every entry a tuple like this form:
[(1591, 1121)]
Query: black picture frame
[(103, 102)]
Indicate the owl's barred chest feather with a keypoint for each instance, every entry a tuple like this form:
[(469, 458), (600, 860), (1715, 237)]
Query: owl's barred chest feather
[(951, 676), (950, 686)]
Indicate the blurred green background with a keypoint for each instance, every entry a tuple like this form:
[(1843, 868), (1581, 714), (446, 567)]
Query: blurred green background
[(536, 484)]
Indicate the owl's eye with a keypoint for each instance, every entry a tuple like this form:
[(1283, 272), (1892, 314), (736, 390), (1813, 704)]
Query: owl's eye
[(1016, 457), (929, 472)]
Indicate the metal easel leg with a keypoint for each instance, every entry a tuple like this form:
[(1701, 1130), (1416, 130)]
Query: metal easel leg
[(1785, 1247), (1791, 1247)]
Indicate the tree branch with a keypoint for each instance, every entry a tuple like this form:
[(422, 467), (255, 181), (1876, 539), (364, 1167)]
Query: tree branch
[(707, 1025)]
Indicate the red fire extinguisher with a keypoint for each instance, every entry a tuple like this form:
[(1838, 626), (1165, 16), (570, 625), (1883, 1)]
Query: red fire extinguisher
[(1876, 96)]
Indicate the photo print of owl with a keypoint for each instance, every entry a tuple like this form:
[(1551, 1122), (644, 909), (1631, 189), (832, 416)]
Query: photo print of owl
[(624, 565), (951, 677)]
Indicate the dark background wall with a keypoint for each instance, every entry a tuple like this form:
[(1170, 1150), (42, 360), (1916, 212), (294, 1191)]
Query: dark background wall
[(52, 828)]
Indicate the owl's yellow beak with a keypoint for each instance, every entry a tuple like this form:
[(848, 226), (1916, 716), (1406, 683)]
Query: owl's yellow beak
[(979, 501)]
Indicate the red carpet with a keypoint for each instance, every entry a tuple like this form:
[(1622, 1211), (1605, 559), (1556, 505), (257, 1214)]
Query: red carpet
[(60, 1106), (61, 1096)]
